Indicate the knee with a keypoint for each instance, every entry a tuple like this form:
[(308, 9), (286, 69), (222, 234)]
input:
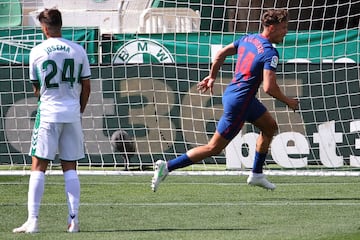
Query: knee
[(39, 164)]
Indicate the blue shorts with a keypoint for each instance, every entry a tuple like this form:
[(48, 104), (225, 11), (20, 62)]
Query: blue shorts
[(236, 112)]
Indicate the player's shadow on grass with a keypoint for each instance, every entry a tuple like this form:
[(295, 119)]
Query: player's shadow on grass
[(173, 230)]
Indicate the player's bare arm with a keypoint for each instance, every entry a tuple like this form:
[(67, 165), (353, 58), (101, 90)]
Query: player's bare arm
[(36, 89), (272, 88), (85, 93), (208, 81)]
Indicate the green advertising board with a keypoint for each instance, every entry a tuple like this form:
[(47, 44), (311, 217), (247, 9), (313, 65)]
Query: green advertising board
[(16, 43), (315, 47), (189, 48)]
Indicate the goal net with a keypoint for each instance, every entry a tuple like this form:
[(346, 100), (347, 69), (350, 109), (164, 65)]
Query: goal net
[(146, 59)]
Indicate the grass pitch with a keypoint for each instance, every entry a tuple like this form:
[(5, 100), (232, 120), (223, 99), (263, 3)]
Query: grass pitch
[(190, 208)]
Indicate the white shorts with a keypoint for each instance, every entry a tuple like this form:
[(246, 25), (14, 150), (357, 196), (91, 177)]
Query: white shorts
[(65, 138)]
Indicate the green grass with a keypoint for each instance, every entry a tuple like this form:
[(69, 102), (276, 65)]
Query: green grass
[(191, 208)]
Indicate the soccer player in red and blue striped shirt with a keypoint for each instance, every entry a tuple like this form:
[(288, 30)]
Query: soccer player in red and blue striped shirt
[(256, 64)]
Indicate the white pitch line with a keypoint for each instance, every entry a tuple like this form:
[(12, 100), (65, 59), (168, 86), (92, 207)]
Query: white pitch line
[(192, 173), (187, 183), (199, 204), (277, 203)]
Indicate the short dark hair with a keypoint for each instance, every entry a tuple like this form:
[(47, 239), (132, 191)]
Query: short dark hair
[(274, 16), (51, 18)]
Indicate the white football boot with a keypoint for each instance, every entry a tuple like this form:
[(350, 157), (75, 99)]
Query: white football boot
[(259, 179), (160, 173), (30, 226)]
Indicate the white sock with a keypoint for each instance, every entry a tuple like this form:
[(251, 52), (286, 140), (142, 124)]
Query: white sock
[(35, 193), (72, 191)]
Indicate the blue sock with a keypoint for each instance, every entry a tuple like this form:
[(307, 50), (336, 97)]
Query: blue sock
[(179, 162), (259, 162)]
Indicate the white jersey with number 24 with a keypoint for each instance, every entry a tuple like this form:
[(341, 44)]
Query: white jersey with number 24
[(58, 66)]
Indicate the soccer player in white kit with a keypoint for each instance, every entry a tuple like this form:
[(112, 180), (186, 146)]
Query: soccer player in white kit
[(60, 73)]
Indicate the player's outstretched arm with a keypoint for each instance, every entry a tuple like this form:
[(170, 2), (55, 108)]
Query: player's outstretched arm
[(208, 82), (272, 88)]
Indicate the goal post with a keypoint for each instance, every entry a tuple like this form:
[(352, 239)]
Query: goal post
[(144, 82)]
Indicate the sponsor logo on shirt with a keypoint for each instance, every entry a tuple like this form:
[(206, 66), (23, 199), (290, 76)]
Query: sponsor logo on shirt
[(274, 61)]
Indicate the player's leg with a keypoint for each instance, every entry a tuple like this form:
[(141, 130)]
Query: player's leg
[(216, 144), (72, 192), (35, 194), (43, 148), (71, 149), (228, 127), (268, 128)]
